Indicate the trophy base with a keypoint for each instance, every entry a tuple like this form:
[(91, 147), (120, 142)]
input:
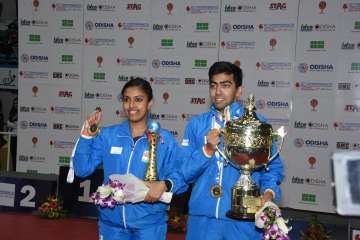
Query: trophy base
[(240, 216)]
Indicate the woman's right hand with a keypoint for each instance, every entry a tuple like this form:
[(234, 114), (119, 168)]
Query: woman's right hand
[(92, 123)]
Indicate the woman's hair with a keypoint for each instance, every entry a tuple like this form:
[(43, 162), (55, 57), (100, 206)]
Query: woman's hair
[(141, 83)]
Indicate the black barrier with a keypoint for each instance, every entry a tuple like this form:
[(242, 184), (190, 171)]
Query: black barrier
[(76, 195), (24, 192)]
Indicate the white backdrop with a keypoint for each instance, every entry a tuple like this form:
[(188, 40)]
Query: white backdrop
[(301, 58)]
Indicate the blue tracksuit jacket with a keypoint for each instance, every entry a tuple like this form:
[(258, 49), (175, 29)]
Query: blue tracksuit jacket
[(115, 149), (205, 172)]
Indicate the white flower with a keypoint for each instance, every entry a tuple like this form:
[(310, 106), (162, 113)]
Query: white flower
[(104, 191), (259, 222), (282, 225), (119, 195)]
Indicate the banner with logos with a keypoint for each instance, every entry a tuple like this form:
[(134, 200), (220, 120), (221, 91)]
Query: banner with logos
[(325, 100), (50, 86), (300, 59)]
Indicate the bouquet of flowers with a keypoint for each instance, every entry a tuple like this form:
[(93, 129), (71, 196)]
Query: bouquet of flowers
[(51, 208), (270, 219), (121, 189), (110, 194)]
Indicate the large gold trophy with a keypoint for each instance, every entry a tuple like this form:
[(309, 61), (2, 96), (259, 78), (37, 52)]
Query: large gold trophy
[(248, 144), (153, 136)]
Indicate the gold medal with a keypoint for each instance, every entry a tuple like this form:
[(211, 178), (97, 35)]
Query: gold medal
[(93, 130), (216, 191)]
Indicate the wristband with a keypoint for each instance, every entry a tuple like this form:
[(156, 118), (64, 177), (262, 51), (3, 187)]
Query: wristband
[(168, 185)]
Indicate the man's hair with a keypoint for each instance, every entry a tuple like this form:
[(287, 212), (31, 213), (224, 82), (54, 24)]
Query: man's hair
[(227, 68), (141, 83)]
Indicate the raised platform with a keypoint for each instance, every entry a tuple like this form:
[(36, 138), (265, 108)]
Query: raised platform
[(16, 226)]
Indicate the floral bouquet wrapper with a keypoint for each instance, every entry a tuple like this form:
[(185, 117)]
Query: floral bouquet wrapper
[(123, 189), (269, 218)]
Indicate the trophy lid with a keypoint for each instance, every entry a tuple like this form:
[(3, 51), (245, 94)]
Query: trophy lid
[(250, 114)]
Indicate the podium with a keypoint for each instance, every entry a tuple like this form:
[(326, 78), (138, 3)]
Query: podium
[(24, 192), (76, 195)]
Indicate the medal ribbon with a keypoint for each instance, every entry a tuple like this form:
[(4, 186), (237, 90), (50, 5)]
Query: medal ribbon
[(218, 122)]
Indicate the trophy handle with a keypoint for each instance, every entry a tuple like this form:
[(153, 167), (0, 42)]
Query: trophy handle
[(281, 133)]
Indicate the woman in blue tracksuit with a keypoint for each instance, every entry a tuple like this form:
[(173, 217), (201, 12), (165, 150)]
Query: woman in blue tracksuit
[(123, 149), (204, 167)]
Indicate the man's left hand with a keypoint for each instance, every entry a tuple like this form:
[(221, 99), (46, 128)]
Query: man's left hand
[(268, 196), (156, 189)]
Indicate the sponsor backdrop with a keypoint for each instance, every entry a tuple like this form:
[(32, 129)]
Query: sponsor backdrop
[(300, 58)]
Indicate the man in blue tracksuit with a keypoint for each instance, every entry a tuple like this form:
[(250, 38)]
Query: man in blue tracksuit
[(123, 149), (204, 167)]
